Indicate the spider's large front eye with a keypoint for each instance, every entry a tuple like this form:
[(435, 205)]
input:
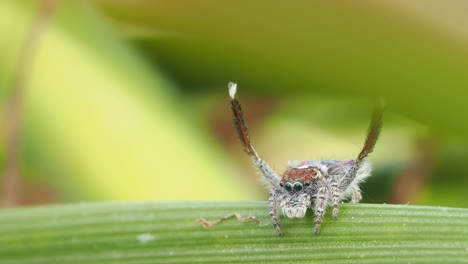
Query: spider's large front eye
[(288, 186), (298, 186)]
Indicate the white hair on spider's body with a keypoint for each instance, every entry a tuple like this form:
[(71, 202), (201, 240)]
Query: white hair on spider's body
[(348, 192), (315, 184), (294, 206)]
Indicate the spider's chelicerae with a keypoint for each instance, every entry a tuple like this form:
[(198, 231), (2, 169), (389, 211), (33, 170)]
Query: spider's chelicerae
[(314, 184)]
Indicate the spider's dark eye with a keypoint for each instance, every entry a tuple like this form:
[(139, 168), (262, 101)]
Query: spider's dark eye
[(281, 184), (298, 186), (307, 183), (288, 186)]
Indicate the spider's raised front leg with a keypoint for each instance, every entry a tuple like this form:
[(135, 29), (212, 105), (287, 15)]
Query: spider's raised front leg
[(372, 136), (320, 207), (270, 176), (241, 126)]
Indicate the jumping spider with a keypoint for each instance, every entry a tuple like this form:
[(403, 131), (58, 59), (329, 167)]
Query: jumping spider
[(314, 184)]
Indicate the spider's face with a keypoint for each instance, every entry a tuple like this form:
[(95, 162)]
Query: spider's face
[(297, 179), (296, 183)]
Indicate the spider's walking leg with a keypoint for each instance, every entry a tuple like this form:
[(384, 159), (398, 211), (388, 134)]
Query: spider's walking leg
[(273, 211), (335, 198), (320, 206), (242, 132)]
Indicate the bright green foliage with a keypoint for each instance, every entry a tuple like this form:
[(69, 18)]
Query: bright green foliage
[(94, 112)]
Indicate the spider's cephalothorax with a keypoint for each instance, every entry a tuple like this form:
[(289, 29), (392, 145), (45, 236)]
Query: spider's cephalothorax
[(309, 184)]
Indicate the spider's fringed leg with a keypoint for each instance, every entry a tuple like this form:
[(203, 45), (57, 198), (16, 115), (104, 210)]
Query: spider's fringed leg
[(243, 133), (372, 137), (335, 198), (273, 212), (270, 176), (320, 206), (356, 196)]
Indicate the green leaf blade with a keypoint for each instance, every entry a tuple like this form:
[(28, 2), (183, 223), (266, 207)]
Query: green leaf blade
[(166, 232)]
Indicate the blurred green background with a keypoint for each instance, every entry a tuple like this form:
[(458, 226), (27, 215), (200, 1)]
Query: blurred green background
[(127, 100)]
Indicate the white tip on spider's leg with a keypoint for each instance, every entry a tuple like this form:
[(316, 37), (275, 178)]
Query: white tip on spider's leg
[(232, 89)]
